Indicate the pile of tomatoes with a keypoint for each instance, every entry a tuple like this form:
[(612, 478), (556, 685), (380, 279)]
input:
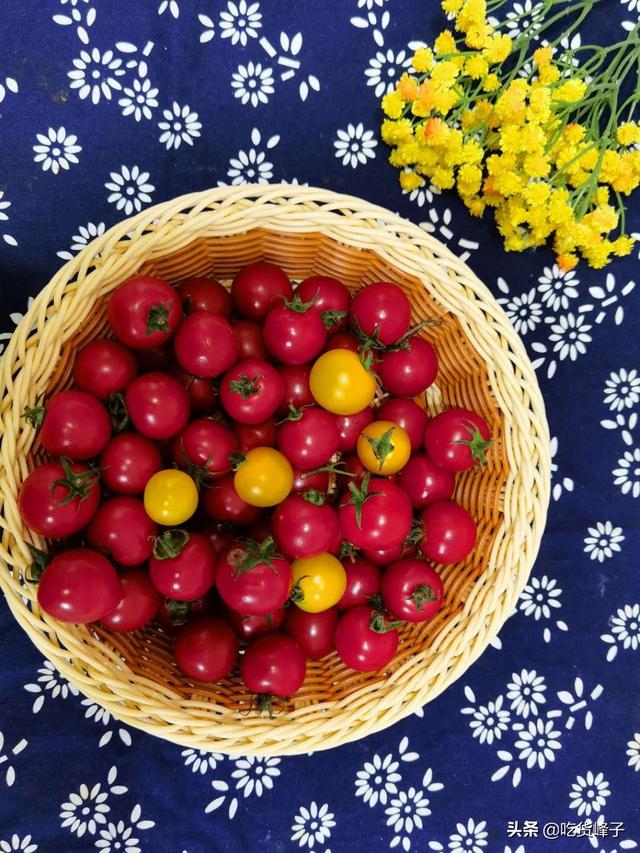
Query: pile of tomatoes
[(250, 469)]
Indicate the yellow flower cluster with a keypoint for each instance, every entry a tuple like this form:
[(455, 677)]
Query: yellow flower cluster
[(464, 120)]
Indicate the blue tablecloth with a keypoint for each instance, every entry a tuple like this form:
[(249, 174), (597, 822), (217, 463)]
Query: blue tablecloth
[(106, 107)]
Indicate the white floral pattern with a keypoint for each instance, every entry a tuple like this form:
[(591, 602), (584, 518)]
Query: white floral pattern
[(49, 683), (589, 794), (488, 722), (139, 99), (540, 599), (603, 540), (526, 691), (96, 74), (355, 145), (180, 125), (385, 69), (240, 21), (622, 389), (252, 84), (627, 475), (56, 150), (625, 630), (130, 189), (79, 241), (633, 751), (312, 824)]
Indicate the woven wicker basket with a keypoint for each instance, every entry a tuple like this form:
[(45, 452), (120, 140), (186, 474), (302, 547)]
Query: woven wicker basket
[(483, 366)]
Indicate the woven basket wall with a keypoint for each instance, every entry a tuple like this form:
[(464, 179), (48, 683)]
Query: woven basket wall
[(483, 366)]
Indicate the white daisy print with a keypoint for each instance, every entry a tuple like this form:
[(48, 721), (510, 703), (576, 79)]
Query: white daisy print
[(201, 761), (524, 311), (627, 475), (180, 125), (172, 6), (85, 810), (254, 775), (139, 99), (95, 74), (538, 743), (79, 241), (525, 16), (130, 189), (526, 691), (556, 287), (470, 837), (100, 715), (6, 758), (56, 150), (589, 794), (633, 751), (404, 813), (252, 166), (240, 21), (570, 336), (312, 824), (252, 84), (49, 683), (625, 630), (385, 69), (603, 540), (377, 780), (119, 838), (540, 599), (489, 721), (355, 145), (4, 217), (622, 389), (20, 845)]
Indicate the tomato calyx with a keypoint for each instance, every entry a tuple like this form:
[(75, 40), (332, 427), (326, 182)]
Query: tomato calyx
[(405, 341), (314, 497), (178, 610), (157, 319), (296, 593), (476, 443), (118, 412), (331, 318), (359, 496), (298, 306), (264, 703), (237, 460), (294, 414), (381, 625), (382, 446), (169, 544), (244, 386), (415, 534), (368, 342), (35, 415), (348, 551), (421, 594), (330, 468), (254, 554), (40, 562), (78, 485)]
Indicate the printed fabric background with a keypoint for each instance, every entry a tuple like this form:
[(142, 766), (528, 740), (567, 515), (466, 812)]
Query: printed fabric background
[(108, 106)]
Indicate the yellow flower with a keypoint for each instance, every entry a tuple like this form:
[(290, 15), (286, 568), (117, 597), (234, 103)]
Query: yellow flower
[(603, 218), (445, 72), (443, 178), (472, 14), (472, 152), (539, 105), (444, 43), (408, 87), (478, 37), (395, 132), (423, 59), (536, 166), (475, 206), (392, 105), (490, 83), (508, 182), (549, 74), (410, 181), (451, 7), (623, 245), (571, 91), (469, 179), (444, 100), (542, 56), (536, 193), (628, 133), (567, 261), (436, 132), (510, 106), (476, 67), (602, 195), (498, 49)]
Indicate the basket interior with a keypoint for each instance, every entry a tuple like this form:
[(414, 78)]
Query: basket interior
[(462, 381)]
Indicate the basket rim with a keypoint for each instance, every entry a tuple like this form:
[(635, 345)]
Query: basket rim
[(390, 236)]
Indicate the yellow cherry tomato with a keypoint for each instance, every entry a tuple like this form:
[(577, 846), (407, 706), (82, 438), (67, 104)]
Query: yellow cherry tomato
[(383, 447), (340, 383), (170, 497), (265, 478), (319, 582)]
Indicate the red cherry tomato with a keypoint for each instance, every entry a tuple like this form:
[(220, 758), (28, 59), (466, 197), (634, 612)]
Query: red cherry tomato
[(425, 482), (183, 565), (457, 439), (156, 359), (364, 640), (251, 392), (158, 405), (206, 649), (314, 632), (128, 462), (293, 333), (343, 340), (256, 289), (250, 340), (204, 294), (449, 532), (304, 528), (203, 394), (412, 590), (376, 514), (172, 614), (252, 579), (309, 441), (205, 344), (144, 312), (59, 498), (222, 503), (75, 425), (204, 448), (363, 581), (256, 435), (331, 300), (139, 603), (103, 368), (296, 391), (381, 311), (304, 481), (250, 627), (408, 415), (353, 466), (79, 585), (273, 665), (123, 531), (350, 427), (218, 537), (261, 529), (409, 371)]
